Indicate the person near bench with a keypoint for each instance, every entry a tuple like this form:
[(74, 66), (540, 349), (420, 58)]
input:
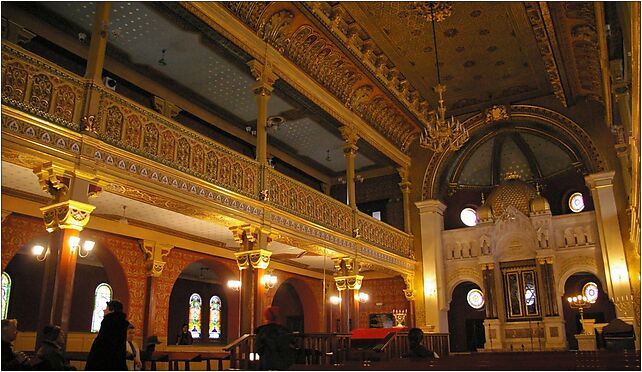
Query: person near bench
[(416, 349), (50, 356)]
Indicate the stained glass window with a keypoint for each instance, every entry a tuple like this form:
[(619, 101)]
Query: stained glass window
[(589, 290), (215, 317), (530, 294), (6, 292), (195, 315), (475, 299), (576, 202), (520, 290), (102, 295)]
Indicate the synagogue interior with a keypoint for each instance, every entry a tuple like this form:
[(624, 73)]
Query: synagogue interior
[(470, 169)]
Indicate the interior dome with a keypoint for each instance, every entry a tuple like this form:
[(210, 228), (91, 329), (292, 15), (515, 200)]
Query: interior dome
[(512, 192)]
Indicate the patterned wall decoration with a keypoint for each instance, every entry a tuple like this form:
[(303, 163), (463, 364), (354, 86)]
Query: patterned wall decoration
[(380, 234), (287, 29), (18, 230), (39, 88), (177, 260), (387, 292)]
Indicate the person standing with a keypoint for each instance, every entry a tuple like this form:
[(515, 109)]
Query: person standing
[(10, 359), (132, 351), (108, 350), (274, 343), (50, 354)]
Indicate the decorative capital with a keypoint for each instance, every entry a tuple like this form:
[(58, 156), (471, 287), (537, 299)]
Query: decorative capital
[(544, 260), (599, 180), (431, 206), (265, 77), (258, 259), (166, 108), (155, 254), (52, 180), (350, 136), (409, 291), (488, 266), (351, 282), (69, 214)]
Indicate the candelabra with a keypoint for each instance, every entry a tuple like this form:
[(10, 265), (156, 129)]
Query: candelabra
[(400, 317), (579, 302)]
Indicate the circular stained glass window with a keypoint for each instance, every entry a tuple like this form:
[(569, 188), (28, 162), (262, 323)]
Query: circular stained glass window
[(468, 217), (590, 291), (576, 202), (475, 298)]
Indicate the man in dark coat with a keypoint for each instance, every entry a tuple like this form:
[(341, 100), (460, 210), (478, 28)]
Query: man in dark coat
[(11, 360), (108, 350), (50, 355), (274, 343)]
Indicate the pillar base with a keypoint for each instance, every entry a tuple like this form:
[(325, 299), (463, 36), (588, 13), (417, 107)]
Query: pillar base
[(493, 330), (555, 333)]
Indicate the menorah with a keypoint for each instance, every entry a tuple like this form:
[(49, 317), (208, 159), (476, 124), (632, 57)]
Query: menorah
[(400, 317), (580, 302)]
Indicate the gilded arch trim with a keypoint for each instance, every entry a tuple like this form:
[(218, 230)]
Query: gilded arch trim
[(593, 160)]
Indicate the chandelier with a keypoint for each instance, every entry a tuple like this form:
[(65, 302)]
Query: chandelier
[(440, 133)]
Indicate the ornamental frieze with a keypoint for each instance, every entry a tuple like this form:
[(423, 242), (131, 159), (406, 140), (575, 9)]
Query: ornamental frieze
[(284, 27)]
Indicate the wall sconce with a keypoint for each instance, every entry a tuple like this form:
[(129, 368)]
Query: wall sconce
[(268, 281), (84, 250), (430, 289), (40, 252), (363, 297), (234, 285), (335, 300)]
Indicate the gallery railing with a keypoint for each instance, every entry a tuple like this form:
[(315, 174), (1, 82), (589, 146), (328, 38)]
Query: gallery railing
[(40, 88)]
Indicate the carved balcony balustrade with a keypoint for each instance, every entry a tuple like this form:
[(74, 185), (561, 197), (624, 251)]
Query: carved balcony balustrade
[(129, 138)]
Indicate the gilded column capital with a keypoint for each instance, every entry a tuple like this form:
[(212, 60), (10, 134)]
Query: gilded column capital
[(258, 259), (545, 260), (487, 266), (265, 77), (350, 136), (350, 282), (69, 214), (155, 254), (53, 180)]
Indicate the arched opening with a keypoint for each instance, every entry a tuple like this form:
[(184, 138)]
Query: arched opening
[(290, 307), (466, 318), (603, 310), (200, 295)]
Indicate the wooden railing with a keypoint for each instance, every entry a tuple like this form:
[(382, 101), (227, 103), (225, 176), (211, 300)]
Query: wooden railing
[(385, 236), (40, 88), (396, 345), (240, 350)]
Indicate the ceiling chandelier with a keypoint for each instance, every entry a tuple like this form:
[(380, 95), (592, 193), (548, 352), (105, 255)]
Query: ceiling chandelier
[(440, 133)]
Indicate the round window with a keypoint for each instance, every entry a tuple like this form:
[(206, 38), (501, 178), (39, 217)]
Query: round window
[(475, 298), (468, 217), (590, 291), (576, 202)]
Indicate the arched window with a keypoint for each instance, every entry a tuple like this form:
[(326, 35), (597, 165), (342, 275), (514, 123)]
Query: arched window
[(102, 295), (6, 292), (215, 317), (195, 315)]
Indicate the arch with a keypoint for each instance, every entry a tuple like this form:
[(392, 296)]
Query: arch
[(465, 324), (461, 278), (102, 295), (566, 128), (309, 302), (115, 273), (6, 293), (291, 312), (577, 269)]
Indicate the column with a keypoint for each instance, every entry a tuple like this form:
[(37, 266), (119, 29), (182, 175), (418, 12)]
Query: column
[(95, 63), (251, 259), (155, 254), (64, 218), (404, 185), (350, 148), (549, 297), (488, 275), (431, 215), (98, 43), (348, 282), (262, 89), (615, 267)]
